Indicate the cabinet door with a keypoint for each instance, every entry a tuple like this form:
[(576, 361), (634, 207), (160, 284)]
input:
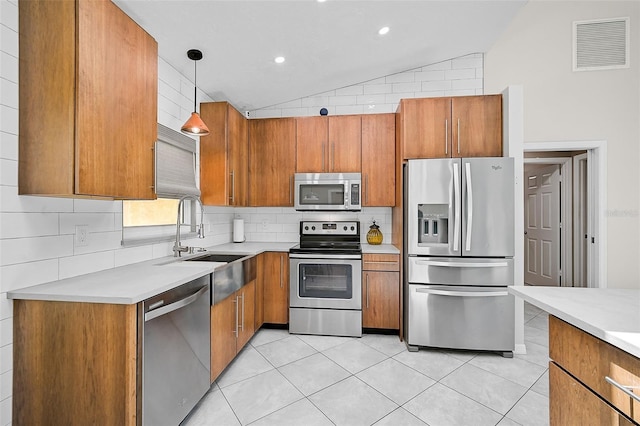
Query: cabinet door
[(476, 126), (214, 148), (272, 156), (571, 403), (378, 160), (238, 158), (117, 60), (275, 274), (311, 144), (246, 314), (426, 127), (223, 335), (381, 300), (345, 144)]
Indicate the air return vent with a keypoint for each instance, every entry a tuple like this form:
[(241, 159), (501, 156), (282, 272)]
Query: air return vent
[(601, 44)]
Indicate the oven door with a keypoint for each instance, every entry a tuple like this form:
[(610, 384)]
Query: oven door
[(325, 281)]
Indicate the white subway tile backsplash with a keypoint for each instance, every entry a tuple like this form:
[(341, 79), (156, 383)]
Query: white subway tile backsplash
[(168, 106), (99, 241), (461, 74), (6, 306), (9, 91), (9, 13), (470, 61), (460, 92), (297, 103), (356, 89), (8, 146), (22, 250), (85, 264), (466, 84), (314, 101), (129, 255), (96, 206), (402, 77), (375, 81), (6, 383), (9, 119), (371, 99), (430, 86), (6, 355), (97, 222), (9, 172), (27, 274), (168, 75), (394, 98), (433, 75), (9, 39), (406, 87), (8, 67), (375, 89), (430, 94), (295, 112), (342, 100), (444, 65), (21, 225), (6, 331), (349, 109)]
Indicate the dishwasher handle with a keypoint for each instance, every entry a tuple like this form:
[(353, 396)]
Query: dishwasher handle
[(458, 293), (175, 305)]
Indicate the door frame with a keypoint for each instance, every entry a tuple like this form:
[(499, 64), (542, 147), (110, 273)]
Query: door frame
[(566, 230), (579, 188), (596, 200)]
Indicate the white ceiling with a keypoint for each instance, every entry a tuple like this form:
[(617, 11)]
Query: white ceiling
[(327, 45)]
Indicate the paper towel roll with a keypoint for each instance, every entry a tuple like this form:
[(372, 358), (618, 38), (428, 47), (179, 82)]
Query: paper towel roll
[(238, 230)]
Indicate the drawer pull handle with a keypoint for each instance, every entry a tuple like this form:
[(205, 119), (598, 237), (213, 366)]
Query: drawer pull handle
[(382, 262), (628, 390)]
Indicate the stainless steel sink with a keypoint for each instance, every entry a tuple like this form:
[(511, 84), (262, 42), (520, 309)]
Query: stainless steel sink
[(240, 269)]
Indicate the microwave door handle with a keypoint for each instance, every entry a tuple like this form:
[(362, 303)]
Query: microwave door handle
[(469, 206), (456, 207)]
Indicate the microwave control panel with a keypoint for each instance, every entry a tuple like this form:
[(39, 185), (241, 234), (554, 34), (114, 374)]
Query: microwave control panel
[(355, 194)]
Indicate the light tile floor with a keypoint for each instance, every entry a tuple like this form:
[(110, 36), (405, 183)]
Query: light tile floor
[(282, 379)]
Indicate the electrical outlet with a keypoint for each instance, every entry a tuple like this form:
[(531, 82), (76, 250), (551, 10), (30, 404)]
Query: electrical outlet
[(265, 225), (82, 235)]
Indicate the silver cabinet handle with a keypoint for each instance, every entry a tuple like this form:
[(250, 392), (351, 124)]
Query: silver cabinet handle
[(174, 306), (323, 156), (461, 265), (236, 303), (469, 206), (628, 390), (242, 323), (366, 189), (281, 269), (446, 137), (380, 262), (333, 157), (456, 198), (367, 289), (462, 293), (233, 187), (458, 136)]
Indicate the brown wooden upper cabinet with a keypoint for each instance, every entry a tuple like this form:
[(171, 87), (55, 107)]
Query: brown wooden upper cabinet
[(378, 160), (88, 101), (224, 164), (463, 126), (272, 161), (328, 144)]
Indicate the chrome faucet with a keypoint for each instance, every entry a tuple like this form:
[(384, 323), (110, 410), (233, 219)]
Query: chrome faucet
[(177, 248)]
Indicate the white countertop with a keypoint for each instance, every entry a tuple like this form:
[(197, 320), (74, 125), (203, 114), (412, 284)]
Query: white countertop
[(379, 249), (134, 283), (612, 315)]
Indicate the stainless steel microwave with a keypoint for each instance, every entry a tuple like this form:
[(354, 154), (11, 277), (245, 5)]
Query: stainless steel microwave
[(328, 191)]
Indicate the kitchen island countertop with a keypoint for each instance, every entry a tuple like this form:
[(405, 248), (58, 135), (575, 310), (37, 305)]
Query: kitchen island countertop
[(136, 282), (612, 315)]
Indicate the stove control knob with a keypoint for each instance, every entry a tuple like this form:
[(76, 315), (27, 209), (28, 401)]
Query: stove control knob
[(353, 228), (306, 228), (345, 228), (313, 228)]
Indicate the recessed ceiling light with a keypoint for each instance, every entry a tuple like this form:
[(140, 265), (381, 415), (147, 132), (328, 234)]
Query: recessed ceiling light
[(383, 30), (321, 1), (279, 59)]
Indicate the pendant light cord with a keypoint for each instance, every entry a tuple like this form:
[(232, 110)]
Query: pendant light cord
[(195, 84)]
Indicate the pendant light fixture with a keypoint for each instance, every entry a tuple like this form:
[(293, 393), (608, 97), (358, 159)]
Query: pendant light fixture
[(194, 125)]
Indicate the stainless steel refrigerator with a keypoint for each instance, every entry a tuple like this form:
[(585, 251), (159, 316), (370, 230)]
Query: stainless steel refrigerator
[(459, 246)]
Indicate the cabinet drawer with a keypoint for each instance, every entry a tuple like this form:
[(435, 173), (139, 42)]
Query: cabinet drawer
[(591, 360), (380, 262), (571, 403)]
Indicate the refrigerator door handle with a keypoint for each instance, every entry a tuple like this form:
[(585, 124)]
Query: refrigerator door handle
[(456, 207), (469, 206), (462, 265), (462, 293)]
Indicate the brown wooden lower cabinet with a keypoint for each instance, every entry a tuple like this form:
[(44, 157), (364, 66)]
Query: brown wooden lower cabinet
[(580, 393), (232, 326), (75, 364), (273, 269), (381, 291)]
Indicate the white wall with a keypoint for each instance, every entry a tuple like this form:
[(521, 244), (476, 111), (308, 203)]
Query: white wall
[(560, 104)]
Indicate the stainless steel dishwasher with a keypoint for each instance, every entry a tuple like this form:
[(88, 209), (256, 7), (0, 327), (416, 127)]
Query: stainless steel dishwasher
[(176, 352)]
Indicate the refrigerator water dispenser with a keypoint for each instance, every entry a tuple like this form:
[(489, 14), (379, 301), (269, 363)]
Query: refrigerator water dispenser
[(433, 221)]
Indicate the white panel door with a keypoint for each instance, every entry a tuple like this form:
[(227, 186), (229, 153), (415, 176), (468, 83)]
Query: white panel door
[(542, 226)]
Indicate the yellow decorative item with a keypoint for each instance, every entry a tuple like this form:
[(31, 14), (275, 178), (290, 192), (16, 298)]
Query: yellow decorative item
[(374, 236)]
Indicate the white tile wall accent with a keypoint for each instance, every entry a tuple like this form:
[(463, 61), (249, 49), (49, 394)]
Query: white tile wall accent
[(455, 77)]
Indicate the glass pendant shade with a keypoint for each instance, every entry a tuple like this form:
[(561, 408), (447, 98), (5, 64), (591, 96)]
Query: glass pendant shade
[(195, 126)]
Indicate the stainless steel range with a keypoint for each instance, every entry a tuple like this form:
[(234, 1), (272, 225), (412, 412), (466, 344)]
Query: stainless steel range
[(326, 279)]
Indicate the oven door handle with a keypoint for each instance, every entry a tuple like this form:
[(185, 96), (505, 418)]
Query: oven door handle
[(325, 256)]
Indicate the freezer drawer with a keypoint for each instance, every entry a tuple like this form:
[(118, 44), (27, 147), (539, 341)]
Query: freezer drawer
[(460, 271), (456, 317)]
